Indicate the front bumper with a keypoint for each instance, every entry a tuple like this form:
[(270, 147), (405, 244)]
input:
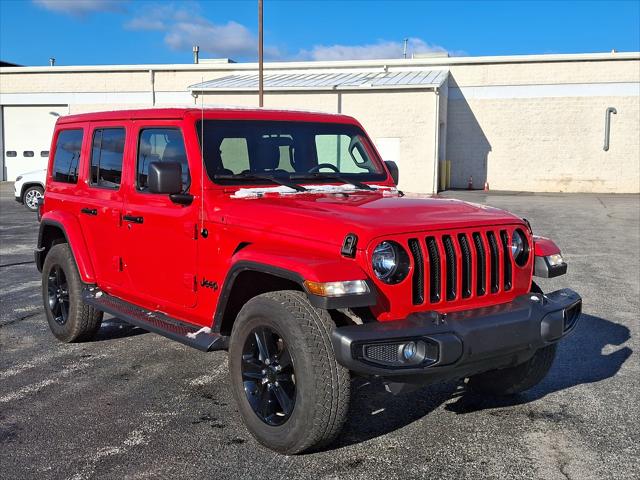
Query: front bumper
[(459, 344)]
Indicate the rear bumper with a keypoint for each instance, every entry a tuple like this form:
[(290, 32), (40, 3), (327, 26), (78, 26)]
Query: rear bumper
[(458, 344)]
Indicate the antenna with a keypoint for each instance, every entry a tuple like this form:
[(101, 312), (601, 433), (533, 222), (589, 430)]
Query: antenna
[(203, 231)]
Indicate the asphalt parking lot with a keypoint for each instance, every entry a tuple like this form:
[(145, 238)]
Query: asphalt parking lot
[(135, 405)]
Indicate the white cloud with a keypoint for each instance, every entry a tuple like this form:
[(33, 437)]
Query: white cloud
[(381, 49), (81, 7), (184, 26)]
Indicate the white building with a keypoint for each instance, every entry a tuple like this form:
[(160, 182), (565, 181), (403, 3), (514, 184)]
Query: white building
[(529, 123)]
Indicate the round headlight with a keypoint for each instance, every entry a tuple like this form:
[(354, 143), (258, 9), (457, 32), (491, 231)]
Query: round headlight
[(385, 261), (390, 262), (519, 247)]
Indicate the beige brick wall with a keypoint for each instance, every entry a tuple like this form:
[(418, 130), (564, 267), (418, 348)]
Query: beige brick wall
[(536, 138), (545, 144), (544, 73), (75, 82)]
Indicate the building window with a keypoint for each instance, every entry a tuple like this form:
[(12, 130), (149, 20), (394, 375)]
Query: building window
[(106, 157), (44, 153), (66, 156), (12, 153), (27, 153)]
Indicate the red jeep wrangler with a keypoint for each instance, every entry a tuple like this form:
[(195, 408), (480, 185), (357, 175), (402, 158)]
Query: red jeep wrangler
[(281, 237)]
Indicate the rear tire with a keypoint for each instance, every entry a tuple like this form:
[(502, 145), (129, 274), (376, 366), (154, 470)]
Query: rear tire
[(317, 385), (69, 318)]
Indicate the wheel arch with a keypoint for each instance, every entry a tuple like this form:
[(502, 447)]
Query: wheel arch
[(246, 280), (59, 228)]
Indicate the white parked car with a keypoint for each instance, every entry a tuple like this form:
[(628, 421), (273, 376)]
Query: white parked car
[(29, 187)]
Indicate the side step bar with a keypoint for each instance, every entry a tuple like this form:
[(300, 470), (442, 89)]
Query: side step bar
[(155, 322)]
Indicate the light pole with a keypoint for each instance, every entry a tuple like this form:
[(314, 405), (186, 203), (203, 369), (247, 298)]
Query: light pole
[(260, 58)]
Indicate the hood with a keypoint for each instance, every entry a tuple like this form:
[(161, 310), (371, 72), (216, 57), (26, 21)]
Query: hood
[(329, 217)]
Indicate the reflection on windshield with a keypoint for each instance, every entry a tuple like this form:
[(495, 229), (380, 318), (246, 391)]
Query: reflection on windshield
[(241, 151)]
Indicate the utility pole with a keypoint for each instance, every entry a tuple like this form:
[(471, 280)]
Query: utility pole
[(260, 57), (404, 48)]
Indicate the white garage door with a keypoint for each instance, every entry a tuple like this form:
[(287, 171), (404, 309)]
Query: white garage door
[(27, 137)]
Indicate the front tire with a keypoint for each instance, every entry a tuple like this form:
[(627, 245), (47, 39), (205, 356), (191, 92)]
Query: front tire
[(290, 390), (30, 197), (69, 318)]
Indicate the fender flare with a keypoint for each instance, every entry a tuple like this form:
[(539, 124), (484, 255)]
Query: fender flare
[(294, 269), (71, 230)]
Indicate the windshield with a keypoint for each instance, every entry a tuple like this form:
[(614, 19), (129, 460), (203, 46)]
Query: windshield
[(241, 150)]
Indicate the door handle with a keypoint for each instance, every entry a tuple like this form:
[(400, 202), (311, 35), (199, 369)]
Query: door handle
[(89, 211), (133, 219)]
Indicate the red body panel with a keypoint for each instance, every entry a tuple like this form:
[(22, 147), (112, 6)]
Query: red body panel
[(544, 247), (161, 263)]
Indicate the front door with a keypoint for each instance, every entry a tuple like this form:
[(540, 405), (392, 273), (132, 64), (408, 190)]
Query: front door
[(160, 236)]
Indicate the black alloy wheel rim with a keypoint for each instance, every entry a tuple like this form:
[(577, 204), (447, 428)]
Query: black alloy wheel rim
[(58, 295), (268, 376)]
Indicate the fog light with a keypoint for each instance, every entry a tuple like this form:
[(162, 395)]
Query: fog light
[(409, 351)]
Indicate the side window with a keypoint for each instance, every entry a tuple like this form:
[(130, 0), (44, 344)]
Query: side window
[(66, 156), (161, 145), (106, 157), (27, 153)]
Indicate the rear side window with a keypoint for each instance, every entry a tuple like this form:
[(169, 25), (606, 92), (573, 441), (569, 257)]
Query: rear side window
[(67, 156), (106, 157), (161, 145)]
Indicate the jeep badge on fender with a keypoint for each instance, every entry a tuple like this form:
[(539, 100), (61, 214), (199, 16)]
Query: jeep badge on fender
[(325, 269)]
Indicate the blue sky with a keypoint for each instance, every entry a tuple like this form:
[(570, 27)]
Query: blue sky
[(78, 32)]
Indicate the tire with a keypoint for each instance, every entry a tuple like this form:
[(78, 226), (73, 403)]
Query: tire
[(69, 318), (514, 380), (30, 197), (321, 387)]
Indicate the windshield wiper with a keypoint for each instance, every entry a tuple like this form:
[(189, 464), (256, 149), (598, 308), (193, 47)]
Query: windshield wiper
[(257, 176), (330, 176)]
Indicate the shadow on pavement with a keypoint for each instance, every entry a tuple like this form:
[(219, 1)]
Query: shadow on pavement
[(114, 328), (583, 357)]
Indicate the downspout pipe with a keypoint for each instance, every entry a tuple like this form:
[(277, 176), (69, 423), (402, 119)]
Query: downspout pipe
[(152, 80), (607, 127)]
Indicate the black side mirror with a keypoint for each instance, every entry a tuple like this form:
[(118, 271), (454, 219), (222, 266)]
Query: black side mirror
[(393, 170), (165, 177)]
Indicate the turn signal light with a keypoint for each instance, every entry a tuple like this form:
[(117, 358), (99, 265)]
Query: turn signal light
[(336, 289)]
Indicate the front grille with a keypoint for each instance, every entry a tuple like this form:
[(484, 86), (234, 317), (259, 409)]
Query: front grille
[(464, 265)]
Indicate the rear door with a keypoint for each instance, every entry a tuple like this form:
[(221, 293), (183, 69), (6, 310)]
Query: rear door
[(101, 213), (159, 235)]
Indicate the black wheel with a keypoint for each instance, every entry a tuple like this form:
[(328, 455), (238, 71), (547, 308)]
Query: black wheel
[(30, 197), (514, 380), (291, 392), (69, 318)]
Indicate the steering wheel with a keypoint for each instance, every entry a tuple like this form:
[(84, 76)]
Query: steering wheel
[(323, 165)]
